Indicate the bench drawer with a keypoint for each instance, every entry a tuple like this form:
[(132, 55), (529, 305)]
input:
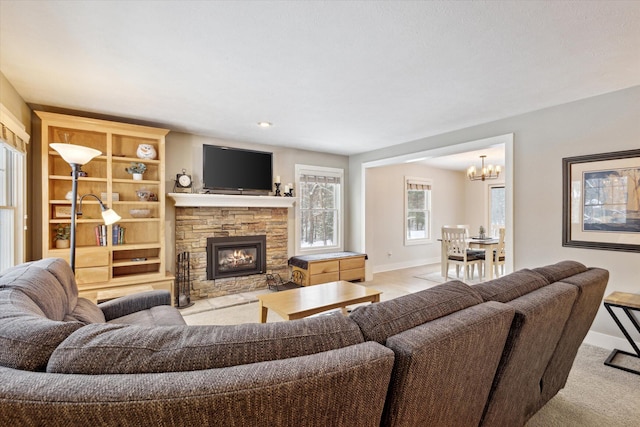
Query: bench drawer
[(351, 263), (355, 274), (316, 279), (323, 267)]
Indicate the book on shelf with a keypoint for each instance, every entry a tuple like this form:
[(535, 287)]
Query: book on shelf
[(101, 235), (117, 234)]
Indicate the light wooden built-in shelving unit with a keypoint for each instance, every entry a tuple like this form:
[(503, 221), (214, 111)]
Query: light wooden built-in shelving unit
[(140, 258)]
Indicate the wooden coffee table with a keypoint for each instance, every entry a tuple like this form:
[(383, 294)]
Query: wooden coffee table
[(309, 300)]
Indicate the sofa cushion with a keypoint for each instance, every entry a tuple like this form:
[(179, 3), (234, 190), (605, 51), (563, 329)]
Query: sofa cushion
[(27, 337), (382, 320), (561, 270), (161, 315), (123, 349), (511, 286), (591, 286), (48, 282), (86, 312), (450, 359), (342, 387)]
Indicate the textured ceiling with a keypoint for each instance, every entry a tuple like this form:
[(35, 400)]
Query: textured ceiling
[(341, 77)]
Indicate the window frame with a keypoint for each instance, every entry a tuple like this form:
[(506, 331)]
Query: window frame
[(301, 170), (428, 211)]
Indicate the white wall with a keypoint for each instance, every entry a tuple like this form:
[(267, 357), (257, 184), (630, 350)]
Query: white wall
[(477, 203), (599, 124), (184, 151), (385, 214)]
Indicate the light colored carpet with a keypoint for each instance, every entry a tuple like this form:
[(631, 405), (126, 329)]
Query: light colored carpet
[(595, 395)]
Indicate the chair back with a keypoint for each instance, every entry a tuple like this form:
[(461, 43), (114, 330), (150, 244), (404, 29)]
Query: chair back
[(500, 252), (455, 240), (465, 226)]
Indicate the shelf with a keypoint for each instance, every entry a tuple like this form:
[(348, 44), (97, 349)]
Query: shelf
[(133, 181), (127, 263), (120, 159), (136, 246), (138, 219), (80, 179), (226, 200)]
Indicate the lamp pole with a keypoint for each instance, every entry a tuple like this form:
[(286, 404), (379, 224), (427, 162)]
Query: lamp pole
[(74, 192)]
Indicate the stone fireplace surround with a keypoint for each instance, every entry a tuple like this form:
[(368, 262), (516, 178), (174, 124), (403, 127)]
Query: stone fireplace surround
[(199, 216)]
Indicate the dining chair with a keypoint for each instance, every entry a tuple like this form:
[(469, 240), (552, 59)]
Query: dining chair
[(498, 253), (458, 252), (465, 226)]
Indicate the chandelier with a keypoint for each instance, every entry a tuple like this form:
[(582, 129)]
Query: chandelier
[(488, 172)]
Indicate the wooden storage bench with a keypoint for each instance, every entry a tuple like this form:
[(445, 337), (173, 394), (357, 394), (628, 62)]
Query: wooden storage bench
[(323, 268)]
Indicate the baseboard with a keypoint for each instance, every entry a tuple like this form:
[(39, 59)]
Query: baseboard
[(607, 341), (405, 264)]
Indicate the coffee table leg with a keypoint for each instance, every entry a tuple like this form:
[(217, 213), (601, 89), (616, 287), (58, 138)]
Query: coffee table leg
[(263, 313)]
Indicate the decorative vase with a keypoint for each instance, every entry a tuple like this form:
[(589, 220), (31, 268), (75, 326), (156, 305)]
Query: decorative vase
[(137, 177), (146, 151), (62, 244)]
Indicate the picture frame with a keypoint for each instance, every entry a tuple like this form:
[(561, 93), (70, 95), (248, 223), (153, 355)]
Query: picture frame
[(62, 211), (601, 201)]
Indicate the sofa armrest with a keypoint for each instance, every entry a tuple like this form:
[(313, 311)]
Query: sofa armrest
[(123, 306)]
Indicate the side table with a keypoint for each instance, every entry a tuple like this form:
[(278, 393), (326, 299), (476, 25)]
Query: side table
[(627, 302)]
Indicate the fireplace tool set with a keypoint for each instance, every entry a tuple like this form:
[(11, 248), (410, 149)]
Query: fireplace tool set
[(275, 283), (183, 281)]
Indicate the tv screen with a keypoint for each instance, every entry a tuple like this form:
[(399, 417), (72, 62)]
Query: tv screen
[(234, 169)]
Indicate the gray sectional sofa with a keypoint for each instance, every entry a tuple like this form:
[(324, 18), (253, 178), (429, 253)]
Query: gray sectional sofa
[(453, 355)]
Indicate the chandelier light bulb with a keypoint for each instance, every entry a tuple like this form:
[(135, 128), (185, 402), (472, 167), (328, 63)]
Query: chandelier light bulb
[(486, 172)]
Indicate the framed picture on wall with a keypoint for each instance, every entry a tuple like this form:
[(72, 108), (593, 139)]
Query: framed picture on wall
[(601, 201)]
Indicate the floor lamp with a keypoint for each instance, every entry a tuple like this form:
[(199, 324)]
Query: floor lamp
[(76, 156)]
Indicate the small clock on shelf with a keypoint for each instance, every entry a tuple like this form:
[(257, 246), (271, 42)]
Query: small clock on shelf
[(183, 183)]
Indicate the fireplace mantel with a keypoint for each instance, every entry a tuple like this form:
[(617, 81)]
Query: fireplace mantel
[(230, 200)]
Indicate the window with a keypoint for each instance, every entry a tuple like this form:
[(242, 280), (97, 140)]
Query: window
[(319, 215), (11, 207), (13, 146), (417, 211), (497, 212)]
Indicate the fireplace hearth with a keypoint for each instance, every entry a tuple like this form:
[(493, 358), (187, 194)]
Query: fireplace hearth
[(235, 256)]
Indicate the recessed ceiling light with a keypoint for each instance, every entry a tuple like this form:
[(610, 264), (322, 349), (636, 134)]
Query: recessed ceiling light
[(265, 124)]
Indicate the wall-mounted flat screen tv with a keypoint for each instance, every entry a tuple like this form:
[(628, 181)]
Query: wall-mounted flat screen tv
[(236, 170)]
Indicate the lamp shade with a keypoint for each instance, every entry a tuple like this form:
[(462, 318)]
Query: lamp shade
[(110, 217), (75, 154)]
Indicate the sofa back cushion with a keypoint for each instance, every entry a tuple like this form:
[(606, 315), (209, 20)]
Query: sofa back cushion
[(561, 270), (85, 311), (49, 283), (27, 336), (444, 368), (382, 320), (538, 323), (342, 387), (125, 349), (591, 285), (511, 286)]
